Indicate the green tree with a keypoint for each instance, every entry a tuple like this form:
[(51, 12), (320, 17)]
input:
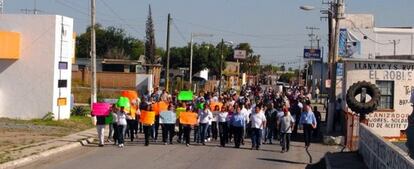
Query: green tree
[(111, 43), (150, 48)]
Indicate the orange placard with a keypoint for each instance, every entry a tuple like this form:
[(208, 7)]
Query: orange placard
[(162, 106), (133, 111), (147, 117), (155, 107), (214, 104), (188, 118), (130, 94)]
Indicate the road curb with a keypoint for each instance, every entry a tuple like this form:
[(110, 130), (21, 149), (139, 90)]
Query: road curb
[(327, 162), (26, 160)]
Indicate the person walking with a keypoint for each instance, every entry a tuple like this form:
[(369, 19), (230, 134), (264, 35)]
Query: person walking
[(308, 120), (237, 122), (113, 127), (100, 128), (122, 123), (258, 122), (204, 117), (168, 128), (286, 123), (270, 114), (318, 116), (223, 127), (214, 123)]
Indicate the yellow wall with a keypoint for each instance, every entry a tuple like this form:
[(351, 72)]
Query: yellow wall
[(9, 45)]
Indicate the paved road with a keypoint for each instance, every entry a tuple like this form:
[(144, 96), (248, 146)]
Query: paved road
[(177, 156)]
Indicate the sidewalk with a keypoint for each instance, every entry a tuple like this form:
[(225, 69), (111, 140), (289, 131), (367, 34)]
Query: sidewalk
[(22, 155)]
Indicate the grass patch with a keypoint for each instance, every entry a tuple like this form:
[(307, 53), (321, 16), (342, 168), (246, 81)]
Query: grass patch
[(76, 123)]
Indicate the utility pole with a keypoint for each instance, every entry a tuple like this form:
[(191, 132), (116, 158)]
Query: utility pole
[(221, 67), (1, 6), (312, 35), (191, 61), (93, 53), (168, 54), (338, 14), (395, 43)]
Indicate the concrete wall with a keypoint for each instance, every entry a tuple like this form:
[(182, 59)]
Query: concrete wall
[(29, 85), (107, 79), (388, 123), (381, 154)]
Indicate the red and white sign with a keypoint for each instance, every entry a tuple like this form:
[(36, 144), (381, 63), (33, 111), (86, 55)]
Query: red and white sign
[(239, 54)]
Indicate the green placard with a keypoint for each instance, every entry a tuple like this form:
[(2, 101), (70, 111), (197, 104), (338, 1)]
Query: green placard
[(185, 95), (123, 102)]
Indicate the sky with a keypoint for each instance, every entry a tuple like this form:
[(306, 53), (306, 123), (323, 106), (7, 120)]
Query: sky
[(276, 29)]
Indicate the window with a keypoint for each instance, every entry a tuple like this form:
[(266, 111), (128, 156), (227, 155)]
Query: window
[(387, 94)]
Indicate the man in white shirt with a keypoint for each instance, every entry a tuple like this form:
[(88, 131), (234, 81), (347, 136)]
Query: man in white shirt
[(258, 122)]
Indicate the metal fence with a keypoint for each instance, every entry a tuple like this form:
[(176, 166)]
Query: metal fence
[(352, 131)]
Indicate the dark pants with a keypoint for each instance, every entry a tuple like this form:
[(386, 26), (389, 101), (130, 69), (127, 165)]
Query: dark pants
[(115, 136), (307, 132), (223, 132), (139, 125), (285, 141), (180, 133), (167, 132), (197, 134), (155, 128), (187, 131), (270, 131), (132, 125), (203, 131), (147, 133), (231, 132), (256, 137), (238, 136), (214, 130), (120, 135), (296, 125)]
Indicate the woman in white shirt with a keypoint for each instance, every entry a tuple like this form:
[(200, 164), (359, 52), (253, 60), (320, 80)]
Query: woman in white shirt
[(223, 128), (204, 117), (122, 123), (258, 122)]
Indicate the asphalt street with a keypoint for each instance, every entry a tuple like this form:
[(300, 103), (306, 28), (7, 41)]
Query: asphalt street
[(177, 156)]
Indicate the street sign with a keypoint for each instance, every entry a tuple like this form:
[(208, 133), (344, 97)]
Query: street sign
[(239, 54), (312, 54), (339, 70)]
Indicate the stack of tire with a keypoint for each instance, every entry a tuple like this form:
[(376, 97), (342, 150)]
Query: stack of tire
[(359, 107)]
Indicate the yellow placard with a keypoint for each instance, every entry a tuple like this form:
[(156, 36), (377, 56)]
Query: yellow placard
[(62, 101), (189, 118)]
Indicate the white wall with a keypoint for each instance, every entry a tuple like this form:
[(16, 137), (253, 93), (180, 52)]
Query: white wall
[(28, 86), (387, 123), (379, 153)]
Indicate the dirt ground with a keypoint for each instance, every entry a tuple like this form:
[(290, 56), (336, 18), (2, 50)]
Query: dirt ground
[(18, 133)]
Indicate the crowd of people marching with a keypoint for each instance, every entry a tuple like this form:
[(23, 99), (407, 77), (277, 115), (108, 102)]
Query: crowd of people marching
[(263, 115)]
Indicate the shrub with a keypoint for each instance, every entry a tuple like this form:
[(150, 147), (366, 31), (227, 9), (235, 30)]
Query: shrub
[(79, 111)]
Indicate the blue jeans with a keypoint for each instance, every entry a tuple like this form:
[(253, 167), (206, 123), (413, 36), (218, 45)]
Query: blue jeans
[(269, 134), (203, 131), (256, 137)]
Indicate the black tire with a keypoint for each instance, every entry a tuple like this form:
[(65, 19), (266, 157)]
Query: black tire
[(363, 108)]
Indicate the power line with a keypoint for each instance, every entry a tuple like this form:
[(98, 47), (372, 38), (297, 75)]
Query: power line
[(119, 17), (264, 36), (179, 32)]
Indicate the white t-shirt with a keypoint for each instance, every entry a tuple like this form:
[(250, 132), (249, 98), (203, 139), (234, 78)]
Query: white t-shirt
[(245, 113), (257, 120), (222, 117), (205, 116), (121, 118)]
